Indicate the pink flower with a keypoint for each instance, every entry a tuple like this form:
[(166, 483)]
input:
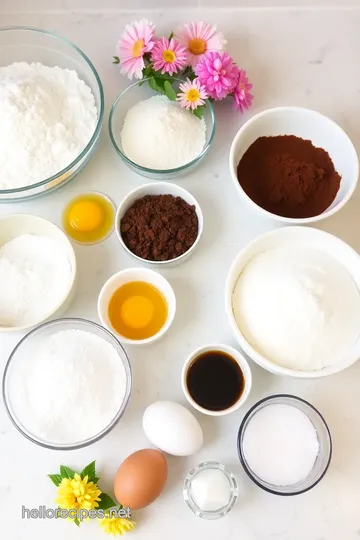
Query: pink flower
[(200, 38), (192, 94), (242, 96), (218, 73), (136, 40), (168, 56)]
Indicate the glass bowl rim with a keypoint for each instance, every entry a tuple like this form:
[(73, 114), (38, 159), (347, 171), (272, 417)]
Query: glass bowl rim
[(147, 169), (127, 367), (240, 449), (234, 490), (84, 152)]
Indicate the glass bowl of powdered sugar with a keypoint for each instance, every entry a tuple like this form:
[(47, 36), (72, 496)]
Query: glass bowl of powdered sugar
[(66, 384), (51, 77), (154, 136), (284, 445)]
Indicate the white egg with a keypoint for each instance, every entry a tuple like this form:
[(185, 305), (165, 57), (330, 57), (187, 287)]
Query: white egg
[(172, 428)]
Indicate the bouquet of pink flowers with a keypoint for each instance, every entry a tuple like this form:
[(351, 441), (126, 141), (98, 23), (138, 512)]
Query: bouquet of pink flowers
[(195, 54)]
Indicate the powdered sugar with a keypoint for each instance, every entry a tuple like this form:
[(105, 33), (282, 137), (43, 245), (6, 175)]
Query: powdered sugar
[(35, 275), (68, 387), (48, 115), (159, 134)]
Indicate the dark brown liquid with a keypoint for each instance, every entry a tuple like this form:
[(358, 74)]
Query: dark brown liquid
[(215, 381)]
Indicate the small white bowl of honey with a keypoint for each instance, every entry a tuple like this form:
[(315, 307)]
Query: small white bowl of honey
[(138, 305)]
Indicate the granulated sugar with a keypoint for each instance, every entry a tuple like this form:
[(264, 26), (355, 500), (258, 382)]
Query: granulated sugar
[(280, 445), (159, 134), (48, 115), (68, 388)]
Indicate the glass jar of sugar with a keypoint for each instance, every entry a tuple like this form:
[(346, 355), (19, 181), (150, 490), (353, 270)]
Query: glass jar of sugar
[(210, 490)]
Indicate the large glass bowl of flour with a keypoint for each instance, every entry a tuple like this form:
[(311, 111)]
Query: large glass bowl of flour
[(28, 46), (66, 384), (184, 142)]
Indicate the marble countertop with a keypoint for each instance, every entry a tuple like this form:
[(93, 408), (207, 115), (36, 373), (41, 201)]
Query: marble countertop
[(308, 58)]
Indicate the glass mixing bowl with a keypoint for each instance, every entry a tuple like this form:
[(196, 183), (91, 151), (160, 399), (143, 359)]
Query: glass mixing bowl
[(323, 458), (24, 44), (24, 351), (127, 99)]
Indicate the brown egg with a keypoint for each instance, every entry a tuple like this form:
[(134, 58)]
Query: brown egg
[(140, 478)]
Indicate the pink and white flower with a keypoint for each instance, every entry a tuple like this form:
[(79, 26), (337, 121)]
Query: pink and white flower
[(200, 38), (242, 95), (168, 56), (136, 41), (192, 95), (218, 74)]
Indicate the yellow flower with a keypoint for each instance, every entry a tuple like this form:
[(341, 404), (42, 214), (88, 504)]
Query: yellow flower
[(117, 526), (78, 493)]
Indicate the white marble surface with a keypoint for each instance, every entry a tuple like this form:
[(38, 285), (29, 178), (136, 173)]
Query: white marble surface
[(308, 58)]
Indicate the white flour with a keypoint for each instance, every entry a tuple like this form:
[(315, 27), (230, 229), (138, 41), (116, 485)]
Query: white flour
[(48, 115), (298, 307), (159, 134), (68, 388), (35, 275)]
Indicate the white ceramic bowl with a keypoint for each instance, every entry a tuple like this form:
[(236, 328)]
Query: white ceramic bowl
[(244, 366), (159, 188), (300, 236), (306, 124), (17, 224), (136, 274)]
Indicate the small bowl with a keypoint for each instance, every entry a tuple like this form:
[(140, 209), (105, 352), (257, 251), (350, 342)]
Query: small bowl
[(187, 491), (17, 224), (25, 44), (244, 366), (22, 352), (306, 124), (301, 236), (323, 459), (124, 102), (136, 274), (159, 188)]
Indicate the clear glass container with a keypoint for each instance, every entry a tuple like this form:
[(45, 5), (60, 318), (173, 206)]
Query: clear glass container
[(127, 99), (189, 497), (323, 458), (24, 351), (25, 44)]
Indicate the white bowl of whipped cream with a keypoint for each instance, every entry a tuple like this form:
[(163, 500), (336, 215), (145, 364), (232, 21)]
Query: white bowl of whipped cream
[(293, 302)]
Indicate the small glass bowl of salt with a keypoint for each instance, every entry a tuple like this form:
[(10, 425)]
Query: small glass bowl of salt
[(154, 136), (284, 445), (210, 490)]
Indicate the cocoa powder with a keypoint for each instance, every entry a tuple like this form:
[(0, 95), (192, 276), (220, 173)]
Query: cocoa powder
[(288, 176), (159, 227)]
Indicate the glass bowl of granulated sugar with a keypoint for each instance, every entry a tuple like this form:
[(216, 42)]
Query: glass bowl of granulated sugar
[(41, 151), (67, 384), (154, 136)]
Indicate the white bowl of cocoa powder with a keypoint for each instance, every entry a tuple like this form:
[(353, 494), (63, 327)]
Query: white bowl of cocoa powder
[(294, 165)]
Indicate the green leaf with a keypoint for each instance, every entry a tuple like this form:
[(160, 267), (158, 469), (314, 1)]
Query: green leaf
[(55, 478), (116, 60), (152, 84), (148, 70), (169, 91), (171, 35), (66, 472), (89, 471), (77, 522), (106, 502), (199, 111)]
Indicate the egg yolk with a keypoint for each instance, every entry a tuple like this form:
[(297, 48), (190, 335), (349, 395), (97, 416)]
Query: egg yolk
[(137, 311), (86, 216)]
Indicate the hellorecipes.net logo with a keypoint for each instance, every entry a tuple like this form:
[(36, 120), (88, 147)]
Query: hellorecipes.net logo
[(43, 512)]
